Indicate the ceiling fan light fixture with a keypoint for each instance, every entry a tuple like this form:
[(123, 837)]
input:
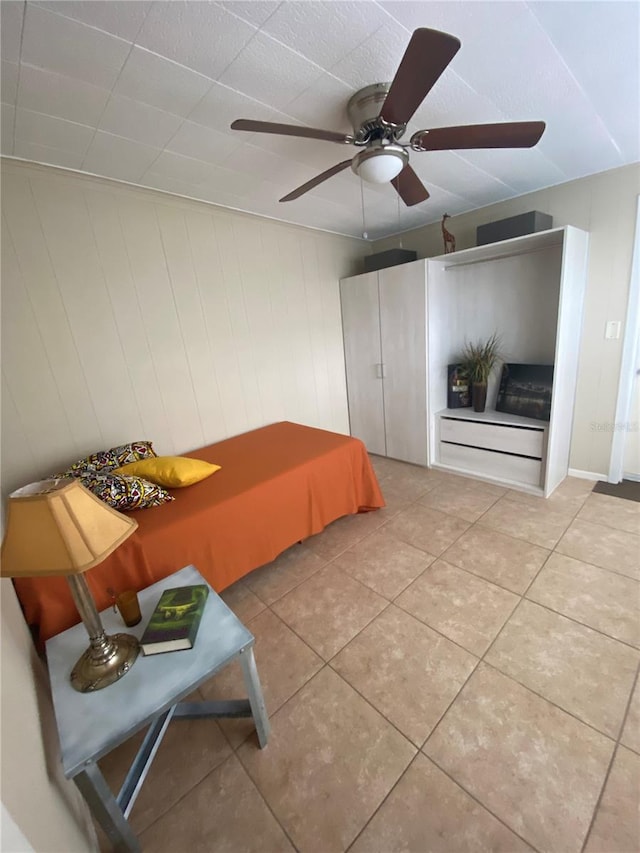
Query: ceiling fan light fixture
[(380, 164)]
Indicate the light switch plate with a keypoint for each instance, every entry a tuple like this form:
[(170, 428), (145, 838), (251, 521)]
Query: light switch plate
[(612, 329)]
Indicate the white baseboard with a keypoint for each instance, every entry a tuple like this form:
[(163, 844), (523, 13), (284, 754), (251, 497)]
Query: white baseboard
[(590, 475), (586, 475)]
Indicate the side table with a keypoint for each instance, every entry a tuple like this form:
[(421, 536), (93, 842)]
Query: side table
[(92, 724)]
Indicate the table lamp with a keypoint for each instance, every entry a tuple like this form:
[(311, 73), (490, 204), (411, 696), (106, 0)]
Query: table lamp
[(58, 527)]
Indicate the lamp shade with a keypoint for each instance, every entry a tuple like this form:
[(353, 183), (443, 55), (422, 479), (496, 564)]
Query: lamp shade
[(58, 527)]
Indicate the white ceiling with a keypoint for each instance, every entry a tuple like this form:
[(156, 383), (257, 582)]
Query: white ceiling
[(145, 92)]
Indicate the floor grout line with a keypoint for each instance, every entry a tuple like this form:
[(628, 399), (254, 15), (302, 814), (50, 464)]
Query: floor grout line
[(521, 597), (577, 621), (611, 761), (480, 803), (266, 802), (330, 662)]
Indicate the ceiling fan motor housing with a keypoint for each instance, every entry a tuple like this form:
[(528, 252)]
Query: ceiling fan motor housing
[(364, 109)]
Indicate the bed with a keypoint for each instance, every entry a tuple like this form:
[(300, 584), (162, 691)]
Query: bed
[(277, 486)]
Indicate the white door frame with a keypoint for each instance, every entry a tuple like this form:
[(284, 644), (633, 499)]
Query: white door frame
[(628, 365)]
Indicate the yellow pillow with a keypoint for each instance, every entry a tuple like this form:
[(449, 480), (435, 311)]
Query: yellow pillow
[(169, 471)]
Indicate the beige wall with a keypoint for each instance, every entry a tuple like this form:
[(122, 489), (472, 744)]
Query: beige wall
[(605, 206), (45, 807), (132, 314)]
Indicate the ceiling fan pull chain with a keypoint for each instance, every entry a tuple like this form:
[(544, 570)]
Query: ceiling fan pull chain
[(364, 227), (399, 230)]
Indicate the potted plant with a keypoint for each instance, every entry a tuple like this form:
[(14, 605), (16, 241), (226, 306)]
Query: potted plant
[(479, 360)]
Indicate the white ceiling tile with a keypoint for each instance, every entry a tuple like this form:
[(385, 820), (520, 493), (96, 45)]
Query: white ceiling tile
[(491, 193), (9, 82), (319, 211), (69, 47), (344, 189), (61, 96), (11, 13), (255, 12), (440, 201), (7, 120), (453, 102), (252, 160), (324, 32), (50, 156), (376, 60), (564, 63), (170, 185), (208, 178), (138, 121), (609, 83), (118, 158), (323, 104), (161, 83), (119, 17), (185, 169), (198, 34), (316, 154), (58, 133), (339, 189), (524, 169), (446, 169), (263, 199), (528, 81), (219, 179), (202, 143), (525, 77), (575, 140), (227, 200), (222, 105), (268, 71), (465, 21)]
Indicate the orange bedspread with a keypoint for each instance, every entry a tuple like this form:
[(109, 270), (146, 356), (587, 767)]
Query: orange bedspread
[(278, 485)]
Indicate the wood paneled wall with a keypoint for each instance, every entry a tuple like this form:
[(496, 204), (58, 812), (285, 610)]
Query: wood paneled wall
[(132, 314)]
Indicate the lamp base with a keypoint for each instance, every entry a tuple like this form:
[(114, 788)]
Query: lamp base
[(93, 672)]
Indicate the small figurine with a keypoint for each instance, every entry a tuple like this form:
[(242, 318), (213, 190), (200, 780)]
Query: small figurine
[(449, 239)]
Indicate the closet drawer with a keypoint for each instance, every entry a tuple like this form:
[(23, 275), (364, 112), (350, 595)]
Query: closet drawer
[(522, 440), (501, 466)]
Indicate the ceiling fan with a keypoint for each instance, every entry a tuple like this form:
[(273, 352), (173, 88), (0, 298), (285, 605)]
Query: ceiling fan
[(380, 114)]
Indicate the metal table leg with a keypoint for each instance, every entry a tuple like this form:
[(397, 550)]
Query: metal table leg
[(254, 691), (103, 804)]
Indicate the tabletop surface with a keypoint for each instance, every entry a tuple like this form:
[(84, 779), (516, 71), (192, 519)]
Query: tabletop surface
[(92, 724)]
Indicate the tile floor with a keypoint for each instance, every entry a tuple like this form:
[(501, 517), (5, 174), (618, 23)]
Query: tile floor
[(455, 672)]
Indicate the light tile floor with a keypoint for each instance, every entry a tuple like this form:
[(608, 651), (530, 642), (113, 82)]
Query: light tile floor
[(456, 672)]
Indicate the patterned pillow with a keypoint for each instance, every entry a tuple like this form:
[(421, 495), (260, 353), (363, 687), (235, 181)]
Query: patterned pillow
[(125, 493), (108, 460)]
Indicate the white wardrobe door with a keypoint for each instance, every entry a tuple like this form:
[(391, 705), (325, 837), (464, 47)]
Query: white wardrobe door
[(361, 331), (402, 321), (570, 308)]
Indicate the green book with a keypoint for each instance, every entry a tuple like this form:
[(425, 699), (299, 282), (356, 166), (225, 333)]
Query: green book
[(175, 621)]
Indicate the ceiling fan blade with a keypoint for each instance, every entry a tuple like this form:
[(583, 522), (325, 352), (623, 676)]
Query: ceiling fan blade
[(427, 55), (410, 188), (517, 134), (329, 173), (290, 130)]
